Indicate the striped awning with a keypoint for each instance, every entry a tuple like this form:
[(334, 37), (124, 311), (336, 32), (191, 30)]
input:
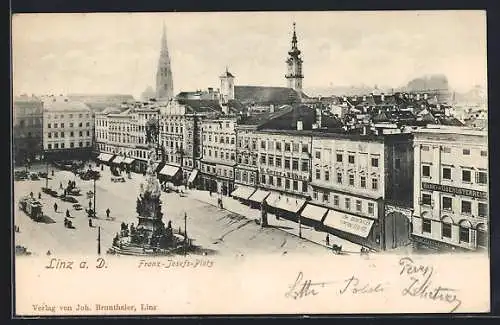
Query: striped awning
[(314, 212), (104, 157), (243, 192), (290, 204), (128, 160), (117, 160), (169, 170), (192, 176), (259, 196)]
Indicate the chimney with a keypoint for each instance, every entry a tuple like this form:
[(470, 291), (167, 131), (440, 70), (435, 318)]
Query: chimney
[(418, 96), (271, 109), (425, 96), (382, 96), (299, 126)]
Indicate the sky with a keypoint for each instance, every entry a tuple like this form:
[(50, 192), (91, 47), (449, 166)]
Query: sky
[(118, 52)]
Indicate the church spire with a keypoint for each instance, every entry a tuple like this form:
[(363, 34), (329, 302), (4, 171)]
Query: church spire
[(164, 82), (294, 65)]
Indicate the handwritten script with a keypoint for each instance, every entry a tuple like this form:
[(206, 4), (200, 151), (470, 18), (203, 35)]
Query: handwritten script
[(420, 284)]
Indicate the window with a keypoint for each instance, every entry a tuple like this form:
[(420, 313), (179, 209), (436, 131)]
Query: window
[(466, 152), (270, 161), (56, 146), (305, 148), (232, 156), (271, 180), (278, 162), (336, 200), (287, 183), (447, 173), (71, 144), (56, 134), (426, 199), (262, 159), (339, 178), (466, 176), (446, 230), (81, 133), (371, 208), (263, 144), (278, 146), (351, 180), (466, 207), (317, 154), (351, 159), (339, 157), (446, 149), (287, 146), (374, 162), (484, 153), (426, 171), (278, 181), (426, 225), (80, 124), (363, 181), (49, 135), (49, 146), (447, 203), (315, 194), (348, 203), (326, 197), (62, 145), (482, 209), (48, 125), (55, 125), (305, 165), (295, 185), (358, 205), (295, 164), (425, 148), (397, 163), (295, 147), (215, 153), (327, 175), (287, 163), (62, 125), (482, 177), (304, 187), (62, 134), (318, 174), (263, 179), (463, 234)]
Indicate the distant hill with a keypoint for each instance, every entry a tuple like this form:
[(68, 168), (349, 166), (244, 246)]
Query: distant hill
[(429, 82), (345, 90)]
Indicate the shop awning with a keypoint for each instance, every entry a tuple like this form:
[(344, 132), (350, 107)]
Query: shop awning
[(290, 204), (105, 157), (128, 160), (192, 176), (243, 192), (272, 199), (349, 223), (314, 212), (169, 170), (117, 160), (259, 196)]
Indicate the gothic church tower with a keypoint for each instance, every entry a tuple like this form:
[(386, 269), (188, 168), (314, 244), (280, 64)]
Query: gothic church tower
[(164, 82), (294, 74)]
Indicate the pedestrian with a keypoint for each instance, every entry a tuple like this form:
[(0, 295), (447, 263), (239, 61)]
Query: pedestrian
[(90, 223), (107, 213), (48, 253), (55, 207), (31, 194), (39, 195), (60, 185), (67, 213), (65, 192), (327, 240), (90, 204)]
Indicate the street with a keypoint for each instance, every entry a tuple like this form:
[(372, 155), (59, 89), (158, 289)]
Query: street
[(215, 230)]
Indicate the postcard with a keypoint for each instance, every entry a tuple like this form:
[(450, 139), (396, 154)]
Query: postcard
[(250, 163)]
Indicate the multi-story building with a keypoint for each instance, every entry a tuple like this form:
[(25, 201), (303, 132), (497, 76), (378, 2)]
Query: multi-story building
[(27, 129), (219, 153), (68, 129), (353, 177), (451, 188)]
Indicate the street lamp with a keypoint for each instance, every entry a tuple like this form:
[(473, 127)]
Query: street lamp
[(185, 234)]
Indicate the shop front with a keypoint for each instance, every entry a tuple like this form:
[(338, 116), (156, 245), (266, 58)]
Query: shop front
[(285, 206), (257, 198), (192, 180), (356, 229), (312, 215), (243, 193), (105, 158), (171, 174)]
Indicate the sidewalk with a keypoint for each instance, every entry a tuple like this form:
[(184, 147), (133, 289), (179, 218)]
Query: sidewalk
[(291, 227)]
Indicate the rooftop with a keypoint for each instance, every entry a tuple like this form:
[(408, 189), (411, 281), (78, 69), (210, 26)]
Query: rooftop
[(61, 103), (265, 95)]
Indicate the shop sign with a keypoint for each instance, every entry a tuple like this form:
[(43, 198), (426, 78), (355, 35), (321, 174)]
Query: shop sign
[(455, 190)]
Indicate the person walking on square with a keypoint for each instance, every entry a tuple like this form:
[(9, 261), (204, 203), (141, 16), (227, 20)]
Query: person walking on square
[(39, 195), (60, 185), (107, 213), (327, 240), (67, 213), (55, 207)]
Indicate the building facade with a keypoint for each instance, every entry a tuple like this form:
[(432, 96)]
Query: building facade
[(68, 129), (354, 176), (218, 154), (27, 129), (451, 188)]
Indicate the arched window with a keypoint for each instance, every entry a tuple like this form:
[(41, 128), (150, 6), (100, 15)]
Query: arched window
[(464, 231), (446, 223), (482, 235)]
